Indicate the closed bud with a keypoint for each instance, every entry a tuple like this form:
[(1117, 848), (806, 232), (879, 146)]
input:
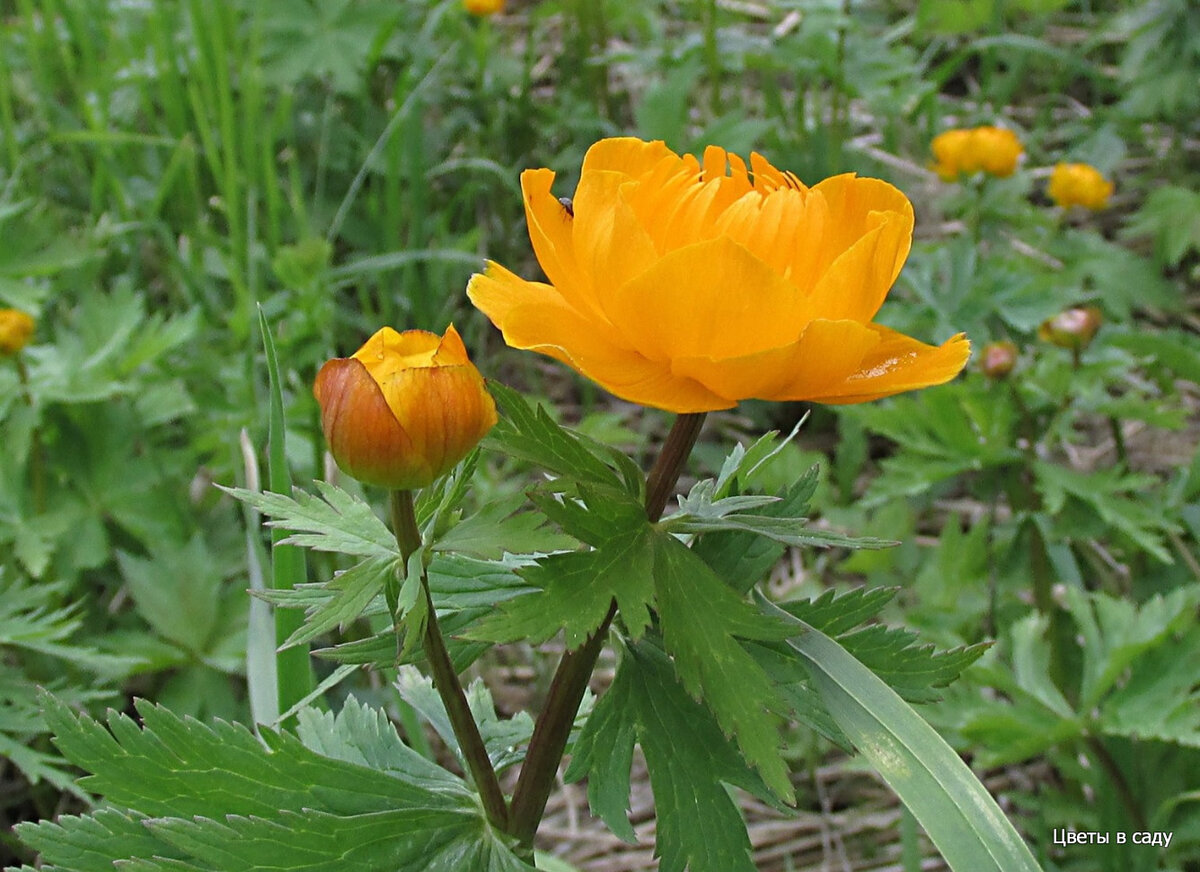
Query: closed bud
[(404, 409), (16, 329), (1073, 329), (998, 359)]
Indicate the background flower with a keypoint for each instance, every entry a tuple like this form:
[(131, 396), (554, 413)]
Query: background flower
[(1078, 184), (16, 329), (689, 285), (404, 409), (993, 150)]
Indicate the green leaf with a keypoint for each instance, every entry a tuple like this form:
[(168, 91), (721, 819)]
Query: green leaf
[(530, 434), (498, 528), (504, 738), (702, 620), (1117, 497), (699, 826), (575, 592), (959, 815), (338, 522), (912, 669), (217, 798), (364, 736), (1159, 698), (352, 592)]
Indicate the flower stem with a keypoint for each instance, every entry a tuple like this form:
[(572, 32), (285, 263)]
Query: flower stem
[(445, 679), (570, 681), (37, 459)]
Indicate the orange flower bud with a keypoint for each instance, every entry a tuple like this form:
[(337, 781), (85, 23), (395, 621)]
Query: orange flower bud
[(993, 150), (998, 359), (404, 409), (1079, 185), (483, 7), (1073, 329), (16, 328)]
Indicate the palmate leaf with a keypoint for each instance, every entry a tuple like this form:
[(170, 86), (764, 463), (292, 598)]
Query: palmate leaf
[(215, 798), (531, 434), (575, 592), (698, 824), (498, 528), (335, 522), (702, 620)]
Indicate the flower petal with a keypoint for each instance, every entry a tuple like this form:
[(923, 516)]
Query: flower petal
[(827, 353), (534, 317), (388, 351), (551, 232), (626, 155), (899, 363), (360, 428), (445, 410), (712, 299)]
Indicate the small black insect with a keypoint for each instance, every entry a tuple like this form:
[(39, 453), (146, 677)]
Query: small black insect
[(567, 205)]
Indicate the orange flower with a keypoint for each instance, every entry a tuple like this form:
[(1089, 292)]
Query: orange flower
[(689, 286), (483, 7), (16, 329), (1079, 184), (993, 150), (404, 409)]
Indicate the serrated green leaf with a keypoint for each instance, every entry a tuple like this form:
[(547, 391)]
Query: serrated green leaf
[(365, 736), (575, 592), (532, 435), (958, 814), (1159, 698), (603, 754), (352, 591), (699, 826), (498, 528), (591, 515), (338, 522), (835, 613), (702, 620), (219, 799), (786, 531), (912, 669), (505, 739), (1115, 496)]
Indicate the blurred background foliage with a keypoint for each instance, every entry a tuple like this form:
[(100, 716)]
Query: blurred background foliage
[(168, 166)]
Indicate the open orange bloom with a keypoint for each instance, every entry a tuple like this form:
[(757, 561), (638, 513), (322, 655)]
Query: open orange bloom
[(689, 286), (993, 150), (1079, 184), (404, 409)]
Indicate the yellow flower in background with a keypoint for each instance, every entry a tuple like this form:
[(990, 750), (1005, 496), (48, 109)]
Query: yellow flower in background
[(483, 7), (1077, 184), (404, 409), (993, 150), (16, 329), (689, 285)]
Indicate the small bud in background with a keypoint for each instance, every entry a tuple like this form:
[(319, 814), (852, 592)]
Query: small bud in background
[(998, 359), (483, 7), (1072, 329), (1078, 184), (16, 329), (404, 409)]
